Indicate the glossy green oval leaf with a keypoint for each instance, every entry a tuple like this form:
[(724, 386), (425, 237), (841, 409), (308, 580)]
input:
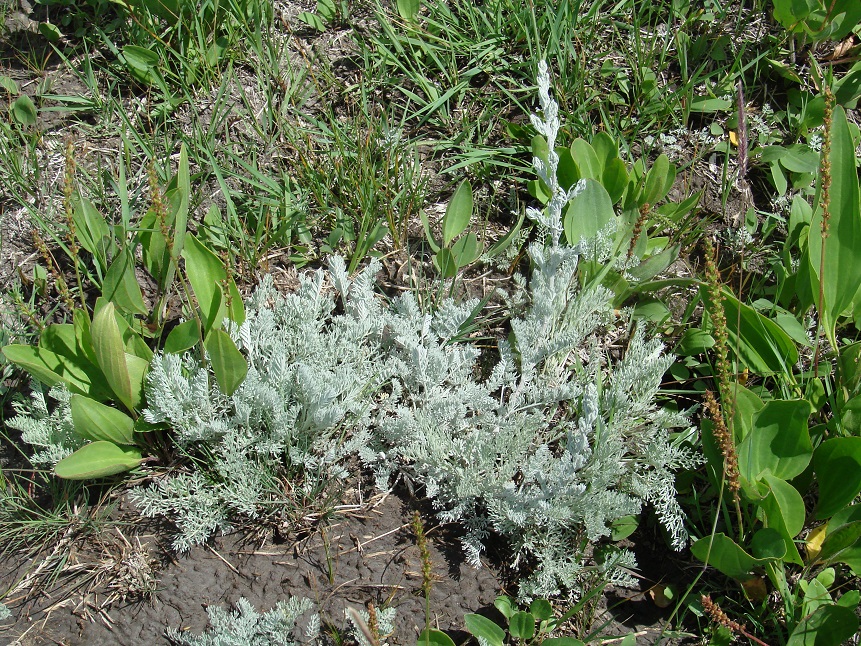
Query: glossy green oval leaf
[(94, 421), (228, 364), (605, 147), (51, 368), (587, 159), (92, 231), (429, 236), (445, 263), (761, 344), (843, 545), (522, 626), (656, 179), (623, 527), (778, 442), (830, 625), (835, 260), (183, 337), (409, 11), (567, 173), (588, 212), (541, 609), (138, 368), (97, 460), (483, 627), (505, 605), (837, 464), (24, 110), (768, 544), (110, 353), (432, 637), (458, 213), (121, 285), (206, 273), (725, 555), (615, 179), (784, 512), (466, 250)]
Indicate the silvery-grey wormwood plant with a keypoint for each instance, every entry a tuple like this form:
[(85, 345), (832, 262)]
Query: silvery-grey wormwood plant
[(545, 441)]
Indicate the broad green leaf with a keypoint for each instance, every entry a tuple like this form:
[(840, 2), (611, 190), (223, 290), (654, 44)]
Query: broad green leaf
[(141, 62), (51, 369), (656, 179), (778, 443), (179, 215), (708, 104), (842, 545), (800, 158), (409, 9), (97, 460), (206, 274), (725, 556), (615, 179), (432, 637), (654, 265), (768, 543), (835, 261), (121, 285), (483, 627), (138, 368), (327, 10), (92, 231), (567, 173), (762, 345), (784, 512), (587, 160), (505, 605), (830, 625), (61, 338), (623, 527), (541, 609), (228, 364), (8, 84), (94, 421), (466, 250), (458, 213), (522, 626), (694, 341), (445, 263), (588, 212), (110, 354), (183, 337), (605, 147), (24, 111), (837, 463)]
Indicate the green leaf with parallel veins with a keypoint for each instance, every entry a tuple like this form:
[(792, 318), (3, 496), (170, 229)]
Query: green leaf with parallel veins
[(183, 337), (24, 111), (97, 460), (830, 625), (588, 212), (432, 637), (778, 443), (458, 213), (121, 285), (94, 421), (522, 626), (110, 353), (483, 627), (837, 464), (837, 256), (228, 364), (725, 555)]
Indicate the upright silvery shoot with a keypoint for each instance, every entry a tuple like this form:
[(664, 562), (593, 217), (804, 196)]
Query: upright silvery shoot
[(548, 126)]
